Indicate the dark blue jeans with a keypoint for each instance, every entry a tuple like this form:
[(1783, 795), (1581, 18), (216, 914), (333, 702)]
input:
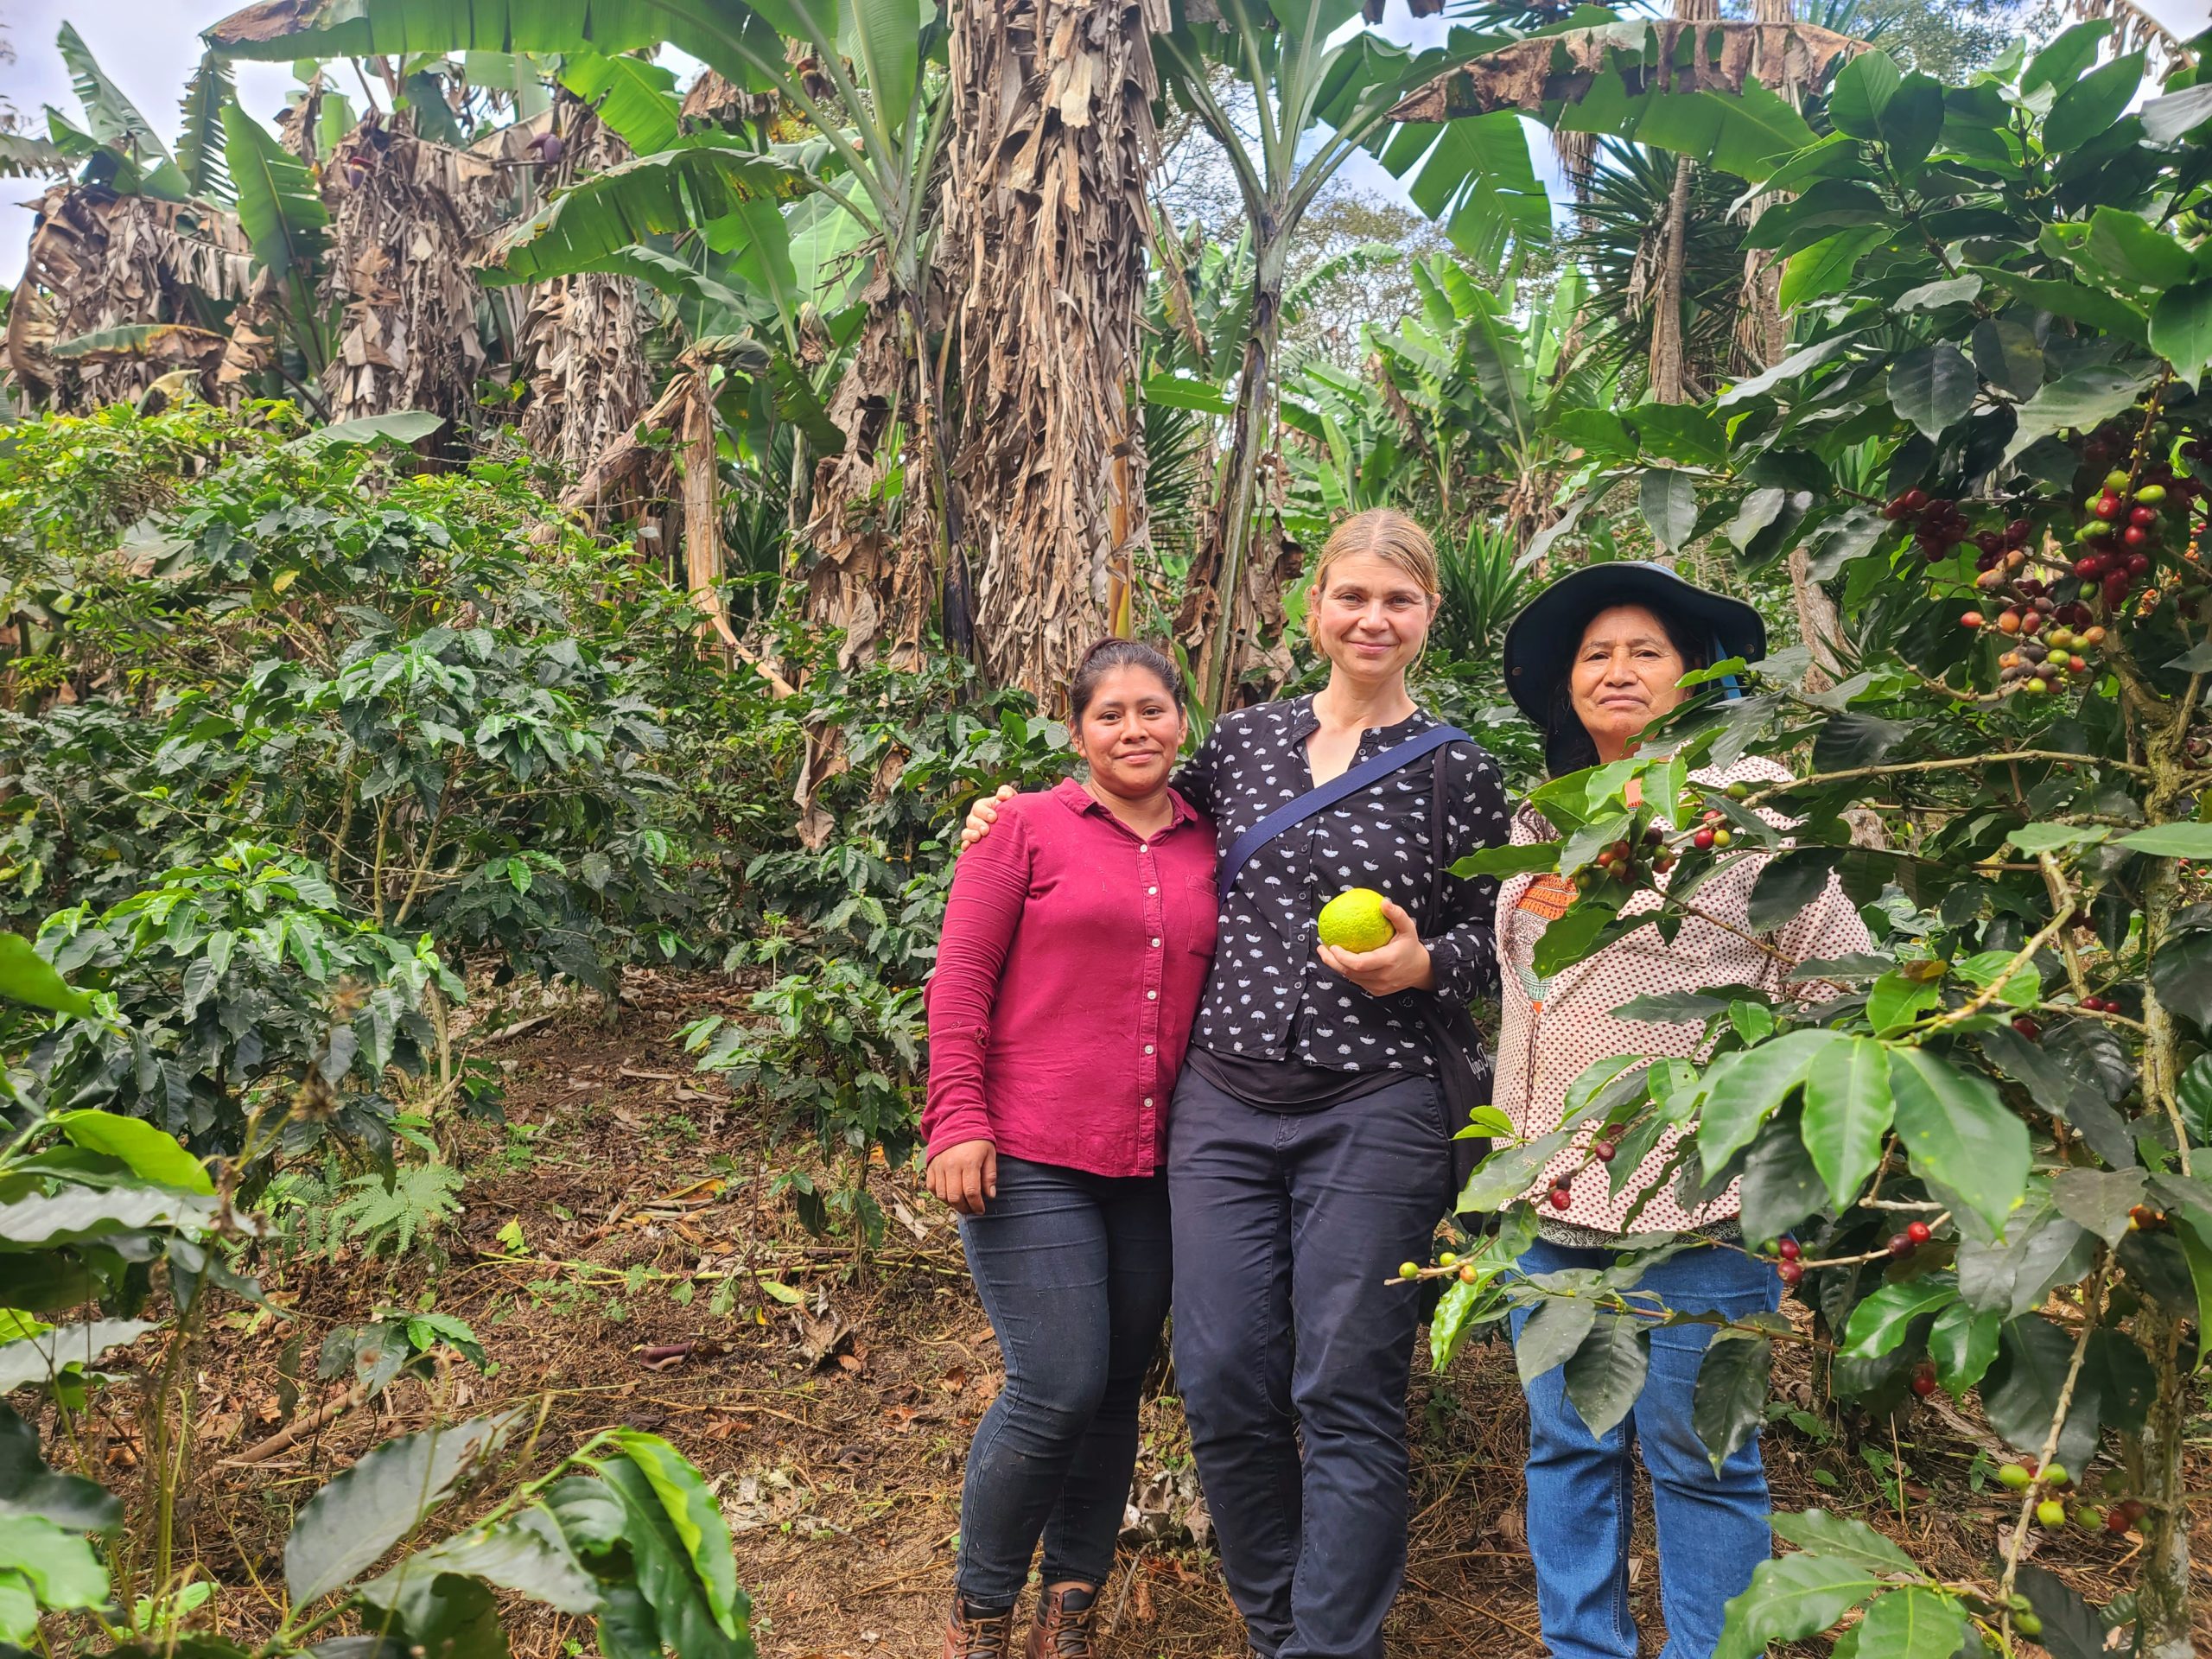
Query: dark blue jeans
[(1712, 1528), (1074, 1272), (1286, 1226)]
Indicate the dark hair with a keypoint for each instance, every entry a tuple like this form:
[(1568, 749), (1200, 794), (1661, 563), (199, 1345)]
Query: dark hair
[(1110, 654), (1569, 746)]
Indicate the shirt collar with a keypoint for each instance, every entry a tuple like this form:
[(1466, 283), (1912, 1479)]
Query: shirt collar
[(1070, 793), (1303, 723)]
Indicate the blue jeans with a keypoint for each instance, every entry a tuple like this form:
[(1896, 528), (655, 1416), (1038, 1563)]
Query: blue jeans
[(1286, 1226), (1073, 1270), (1712, 1528)]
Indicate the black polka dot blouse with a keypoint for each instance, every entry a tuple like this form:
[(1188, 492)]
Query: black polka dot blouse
[(1268, 996)]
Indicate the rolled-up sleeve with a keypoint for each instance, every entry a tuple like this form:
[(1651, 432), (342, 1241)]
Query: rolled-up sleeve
[(989, 888), (1464, 953)]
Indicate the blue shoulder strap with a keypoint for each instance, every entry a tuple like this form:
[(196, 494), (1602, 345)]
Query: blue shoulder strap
[(1317, 800)]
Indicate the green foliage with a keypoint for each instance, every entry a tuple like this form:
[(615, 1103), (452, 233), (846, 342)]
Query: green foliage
[(218, 989), (326, 1211), (833, 1052), (1982, 402), (388, 670), (1622, 216), (622, 1530)]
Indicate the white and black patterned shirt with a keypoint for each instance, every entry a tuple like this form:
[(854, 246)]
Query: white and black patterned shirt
[(1269, 997)]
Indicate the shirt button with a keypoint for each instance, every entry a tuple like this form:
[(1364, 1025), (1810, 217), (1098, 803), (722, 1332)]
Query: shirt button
[(1147, 1048), (1144, 846), (1151, 889), (1156, 945), (1152, 996), (1148, 1100)]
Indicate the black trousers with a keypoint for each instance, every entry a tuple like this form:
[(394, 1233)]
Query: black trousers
[(1073, 1270), (1286, 1226)]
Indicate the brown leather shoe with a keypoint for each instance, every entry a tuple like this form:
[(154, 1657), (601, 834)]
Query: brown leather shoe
[(1062, 1627), (967, 1637)]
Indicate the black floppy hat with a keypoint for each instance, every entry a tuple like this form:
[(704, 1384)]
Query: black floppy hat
[(1540, 645)]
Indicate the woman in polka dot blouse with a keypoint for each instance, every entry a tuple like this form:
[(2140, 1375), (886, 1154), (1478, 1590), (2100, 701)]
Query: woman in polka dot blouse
[(1308, 1153), (1592, 660)]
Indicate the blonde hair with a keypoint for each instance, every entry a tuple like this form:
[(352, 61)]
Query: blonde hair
[(1382, 533)]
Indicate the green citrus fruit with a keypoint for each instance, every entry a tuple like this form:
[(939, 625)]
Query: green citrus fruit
[(1354, 921)]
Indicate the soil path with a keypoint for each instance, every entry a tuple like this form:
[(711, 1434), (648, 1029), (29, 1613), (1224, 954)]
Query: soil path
[(623, 1256)]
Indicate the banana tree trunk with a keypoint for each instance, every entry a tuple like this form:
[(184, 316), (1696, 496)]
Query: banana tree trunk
[(580, 344), (1232, 608), (1054, 142), (874, 532)]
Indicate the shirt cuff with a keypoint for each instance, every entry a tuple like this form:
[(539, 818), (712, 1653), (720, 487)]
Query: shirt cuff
[(955, 1122), (1465, 966)]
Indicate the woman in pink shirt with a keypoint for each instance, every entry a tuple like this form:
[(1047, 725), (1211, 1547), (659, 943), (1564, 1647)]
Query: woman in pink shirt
[(1076, 945)]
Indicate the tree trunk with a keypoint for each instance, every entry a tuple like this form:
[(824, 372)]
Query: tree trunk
[(580, 346), (1233, 598), (1762, 342), (1053, 144), (1669, 375), (874, 545), (2155, 1463), (1669, 371), (2154, 1457), (702, 508)]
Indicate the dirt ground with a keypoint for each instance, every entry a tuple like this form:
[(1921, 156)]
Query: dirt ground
[(835, 1429)]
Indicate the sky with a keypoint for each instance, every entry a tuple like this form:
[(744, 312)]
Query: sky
[(148, 48)]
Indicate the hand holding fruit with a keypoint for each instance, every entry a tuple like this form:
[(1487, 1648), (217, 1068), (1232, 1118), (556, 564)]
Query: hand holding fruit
[(965, 1175), (1392, 962)]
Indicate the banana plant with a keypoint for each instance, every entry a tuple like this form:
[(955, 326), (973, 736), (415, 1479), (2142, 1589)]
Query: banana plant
[(1321, 96), (284, 220), (117, 146), (859, 83), (857, 78), (1462, 430)]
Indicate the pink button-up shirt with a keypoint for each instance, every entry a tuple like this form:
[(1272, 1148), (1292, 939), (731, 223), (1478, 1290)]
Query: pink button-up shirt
[(1073, 960)]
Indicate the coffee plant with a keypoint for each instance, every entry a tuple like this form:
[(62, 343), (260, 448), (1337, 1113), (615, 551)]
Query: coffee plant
[(416, 681), (102, 1208), (834, 1053), (215, 991), (1981, 1155)]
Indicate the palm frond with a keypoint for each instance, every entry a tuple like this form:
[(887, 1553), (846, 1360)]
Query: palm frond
[(1617, 245)]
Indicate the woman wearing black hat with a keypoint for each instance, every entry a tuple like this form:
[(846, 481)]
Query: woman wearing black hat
[(1593, 661)]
